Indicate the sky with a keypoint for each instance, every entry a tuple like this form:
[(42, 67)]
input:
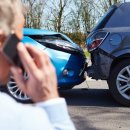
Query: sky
[(47, 11)]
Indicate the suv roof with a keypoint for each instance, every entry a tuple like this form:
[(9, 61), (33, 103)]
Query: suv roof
[(116, 16)]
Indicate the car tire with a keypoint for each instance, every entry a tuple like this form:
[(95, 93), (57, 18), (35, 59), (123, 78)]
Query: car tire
[(4, 89), (13, 90), (119, 82)]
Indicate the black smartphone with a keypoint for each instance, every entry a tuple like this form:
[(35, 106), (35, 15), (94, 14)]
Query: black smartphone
[(10, 50)]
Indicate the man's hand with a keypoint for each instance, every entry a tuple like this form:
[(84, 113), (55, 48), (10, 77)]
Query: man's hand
[(42, 82)]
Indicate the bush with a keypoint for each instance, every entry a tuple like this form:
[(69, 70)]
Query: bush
[(78, 37)]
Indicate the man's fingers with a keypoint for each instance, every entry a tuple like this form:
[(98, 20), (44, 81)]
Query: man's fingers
[(18, 76), (26, 59)]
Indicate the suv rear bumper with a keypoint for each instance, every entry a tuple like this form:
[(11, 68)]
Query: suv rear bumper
[(100, 67)]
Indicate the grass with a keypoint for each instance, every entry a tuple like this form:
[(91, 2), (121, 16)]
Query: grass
[(87, 54)]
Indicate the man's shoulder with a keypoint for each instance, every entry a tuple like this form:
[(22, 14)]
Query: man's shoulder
[(6, 98), (12, 113), (10, 106)]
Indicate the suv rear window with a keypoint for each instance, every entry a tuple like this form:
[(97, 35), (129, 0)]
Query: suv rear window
[(102, 22)]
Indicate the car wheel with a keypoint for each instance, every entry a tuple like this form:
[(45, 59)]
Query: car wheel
[(14, 91), (119, 82)]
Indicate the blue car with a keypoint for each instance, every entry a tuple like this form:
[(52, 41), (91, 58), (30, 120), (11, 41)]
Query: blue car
[(67, 57)]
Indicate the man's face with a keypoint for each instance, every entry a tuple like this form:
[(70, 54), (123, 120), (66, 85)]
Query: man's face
[(4, 65)]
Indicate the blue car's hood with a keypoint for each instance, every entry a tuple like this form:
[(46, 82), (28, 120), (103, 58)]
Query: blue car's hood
[(30, 31)]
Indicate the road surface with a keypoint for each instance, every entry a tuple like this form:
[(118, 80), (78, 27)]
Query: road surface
[(93, 108)]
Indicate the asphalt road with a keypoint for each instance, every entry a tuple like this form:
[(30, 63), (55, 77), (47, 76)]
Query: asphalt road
[(93, 108)]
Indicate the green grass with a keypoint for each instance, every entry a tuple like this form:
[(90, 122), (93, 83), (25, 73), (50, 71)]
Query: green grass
[(87, 54)]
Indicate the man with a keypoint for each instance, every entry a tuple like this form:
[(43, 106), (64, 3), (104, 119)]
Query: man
[(49, 111)]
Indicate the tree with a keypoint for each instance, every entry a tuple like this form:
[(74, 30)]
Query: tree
[(82, 16), (57, 14), (104, 5), (88, 15), (33, 18), (74, 22)]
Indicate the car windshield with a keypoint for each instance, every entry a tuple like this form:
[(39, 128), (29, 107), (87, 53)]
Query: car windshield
[(102, 22)]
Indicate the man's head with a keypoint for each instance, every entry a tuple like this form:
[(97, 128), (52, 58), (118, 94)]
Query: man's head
[(11, 19)]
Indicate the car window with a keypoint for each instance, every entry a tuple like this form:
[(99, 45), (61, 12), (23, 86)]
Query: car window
[(120, 18), (102, 22)]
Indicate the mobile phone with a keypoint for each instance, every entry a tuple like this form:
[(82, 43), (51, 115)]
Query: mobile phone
[(10, 50)]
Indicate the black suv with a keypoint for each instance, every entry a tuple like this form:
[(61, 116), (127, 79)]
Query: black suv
[(109, 45)]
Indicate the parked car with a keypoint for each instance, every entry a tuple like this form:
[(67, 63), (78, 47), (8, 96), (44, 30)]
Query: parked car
[(109, 45), (67, 57)]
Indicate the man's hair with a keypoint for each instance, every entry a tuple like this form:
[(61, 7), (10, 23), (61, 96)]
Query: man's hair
[(8, 11)]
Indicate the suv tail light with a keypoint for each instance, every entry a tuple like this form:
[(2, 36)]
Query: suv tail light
[(95, 40)]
